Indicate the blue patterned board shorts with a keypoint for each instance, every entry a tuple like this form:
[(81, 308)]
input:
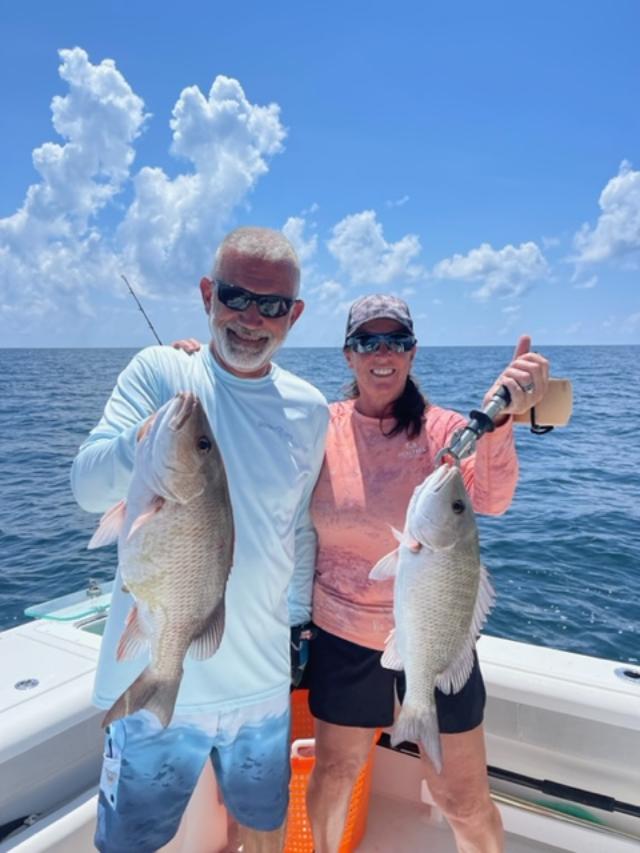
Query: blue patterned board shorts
[(149, 773)]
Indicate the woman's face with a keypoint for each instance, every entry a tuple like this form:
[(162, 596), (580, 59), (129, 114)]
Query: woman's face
[(381, 375)]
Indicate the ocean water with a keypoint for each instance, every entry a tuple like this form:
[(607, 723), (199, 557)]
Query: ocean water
[(565, 558)]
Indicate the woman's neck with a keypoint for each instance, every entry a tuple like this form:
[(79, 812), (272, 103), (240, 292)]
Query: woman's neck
[(374, 408)]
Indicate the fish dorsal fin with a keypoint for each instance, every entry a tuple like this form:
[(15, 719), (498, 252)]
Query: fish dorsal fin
[(206, 644), (133, 641), (453, 679), (152, 509), (110, 526), (385, 568), (391, 656)]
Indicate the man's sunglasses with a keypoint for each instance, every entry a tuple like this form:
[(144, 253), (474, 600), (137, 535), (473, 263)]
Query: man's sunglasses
[(238, 299), (394, 342)]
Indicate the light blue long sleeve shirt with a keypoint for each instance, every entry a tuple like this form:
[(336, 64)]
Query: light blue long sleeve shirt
[(271, 433)]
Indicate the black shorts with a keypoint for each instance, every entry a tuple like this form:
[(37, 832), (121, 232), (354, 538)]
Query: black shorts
[(349, 687)]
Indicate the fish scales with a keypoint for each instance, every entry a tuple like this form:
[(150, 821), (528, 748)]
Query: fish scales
[(441, 598), (175, 549)]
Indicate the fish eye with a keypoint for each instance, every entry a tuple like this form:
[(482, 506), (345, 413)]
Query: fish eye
[(458, 507), (204, 443)]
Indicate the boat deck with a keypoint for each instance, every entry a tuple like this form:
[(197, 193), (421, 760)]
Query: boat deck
[(395, 826)]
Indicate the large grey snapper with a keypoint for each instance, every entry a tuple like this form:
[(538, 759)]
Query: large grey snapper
[(442, 595), (175, 549)]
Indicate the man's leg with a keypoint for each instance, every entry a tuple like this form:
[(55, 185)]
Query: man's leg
[(148, 777), (461, 792), (341, 752), (254, 841), (251, 761), (203, 828)]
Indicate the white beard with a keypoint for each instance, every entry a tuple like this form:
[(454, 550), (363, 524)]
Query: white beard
[(236, 355)]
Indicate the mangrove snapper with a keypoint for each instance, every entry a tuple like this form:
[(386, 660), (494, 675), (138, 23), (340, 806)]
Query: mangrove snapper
[(175, 549), (442, 595)]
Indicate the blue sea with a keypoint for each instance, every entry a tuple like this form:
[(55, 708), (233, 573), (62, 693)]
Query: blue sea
[(565, 559)]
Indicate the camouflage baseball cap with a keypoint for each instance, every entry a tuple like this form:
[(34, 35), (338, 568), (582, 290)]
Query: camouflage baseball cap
[(377, 306)]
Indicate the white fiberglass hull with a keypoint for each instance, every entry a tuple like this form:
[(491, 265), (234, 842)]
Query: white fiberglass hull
[(551, 716)]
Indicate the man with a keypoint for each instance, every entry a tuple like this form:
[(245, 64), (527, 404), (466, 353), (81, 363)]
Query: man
[(270, 427)]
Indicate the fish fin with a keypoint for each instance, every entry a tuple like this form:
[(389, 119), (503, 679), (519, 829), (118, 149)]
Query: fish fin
[(150, 692), (485, 600), (406, 539), (207, 642), (385, 568), (110, 526), (419, 724), (133, 640), (453, 679), (391, 656), (397, 534), (154, 507), (456, 675)]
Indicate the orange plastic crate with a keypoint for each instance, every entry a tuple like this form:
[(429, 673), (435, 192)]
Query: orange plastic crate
[(299, 838)]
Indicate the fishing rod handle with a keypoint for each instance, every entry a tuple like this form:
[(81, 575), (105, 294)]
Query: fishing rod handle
[(464, 441), (496, 404)]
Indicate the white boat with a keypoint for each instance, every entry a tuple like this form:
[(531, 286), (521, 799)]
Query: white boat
[(563, 739)]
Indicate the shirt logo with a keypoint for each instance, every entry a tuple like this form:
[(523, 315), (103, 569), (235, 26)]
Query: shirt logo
[(412, 450)]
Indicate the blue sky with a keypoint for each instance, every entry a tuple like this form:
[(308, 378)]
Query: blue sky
[(483, 160)]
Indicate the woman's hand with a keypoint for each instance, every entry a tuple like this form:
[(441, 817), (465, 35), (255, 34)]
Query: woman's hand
[(188, 345), (526, 377)]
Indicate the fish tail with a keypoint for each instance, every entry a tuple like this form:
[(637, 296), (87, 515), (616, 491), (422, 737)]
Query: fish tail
[(419, 724), (148, 691)]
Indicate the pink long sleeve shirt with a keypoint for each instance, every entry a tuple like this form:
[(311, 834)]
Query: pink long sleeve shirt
[(364, 489)]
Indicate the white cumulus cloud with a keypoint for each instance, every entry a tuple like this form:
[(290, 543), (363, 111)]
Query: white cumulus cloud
[(506, 272), (294, 230), (50, 248), (172, 225), (58, 251), (617, 231), (363, 254), (588, 284)]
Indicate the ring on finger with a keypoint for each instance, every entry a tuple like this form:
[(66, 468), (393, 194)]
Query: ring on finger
[(528, 388)]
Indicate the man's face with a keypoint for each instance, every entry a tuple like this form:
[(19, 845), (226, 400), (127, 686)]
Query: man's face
[(244, 341)]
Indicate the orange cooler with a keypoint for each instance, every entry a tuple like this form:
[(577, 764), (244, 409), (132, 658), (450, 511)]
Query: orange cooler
[(298, 830)]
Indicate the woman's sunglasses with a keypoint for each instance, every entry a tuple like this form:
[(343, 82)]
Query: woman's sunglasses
[(394, 342), (269, 305)]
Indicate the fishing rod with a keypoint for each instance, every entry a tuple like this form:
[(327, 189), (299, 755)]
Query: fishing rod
[(553, 410), (144, 314)]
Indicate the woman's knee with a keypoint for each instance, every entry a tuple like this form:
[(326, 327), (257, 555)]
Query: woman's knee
[(339, 765)]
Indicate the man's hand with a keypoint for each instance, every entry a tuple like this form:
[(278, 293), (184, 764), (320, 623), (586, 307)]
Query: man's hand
[(188, 345), (145, 426), (301, 635), (526, 377)]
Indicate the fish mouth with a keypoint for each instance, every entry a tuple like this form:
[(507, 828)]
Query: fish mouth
[(441, 477), (184, 405)]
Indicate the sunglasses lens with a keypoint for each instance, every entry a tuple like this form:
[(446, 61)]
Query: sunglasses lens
[(269, 305), (372, 343), (233, 297)]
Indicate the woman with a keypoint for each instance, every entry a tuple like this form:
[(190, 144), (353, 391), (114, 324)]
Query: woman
[(382, 443)]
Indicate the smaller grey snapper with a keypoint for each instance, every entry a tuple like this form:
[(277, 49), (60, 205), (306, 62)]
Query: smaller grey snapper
[(175, 549), (442, 595)]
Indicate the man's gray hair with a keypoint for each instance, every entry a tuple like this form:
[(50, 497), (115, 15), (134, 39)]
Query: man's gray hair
[(263, 243)]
